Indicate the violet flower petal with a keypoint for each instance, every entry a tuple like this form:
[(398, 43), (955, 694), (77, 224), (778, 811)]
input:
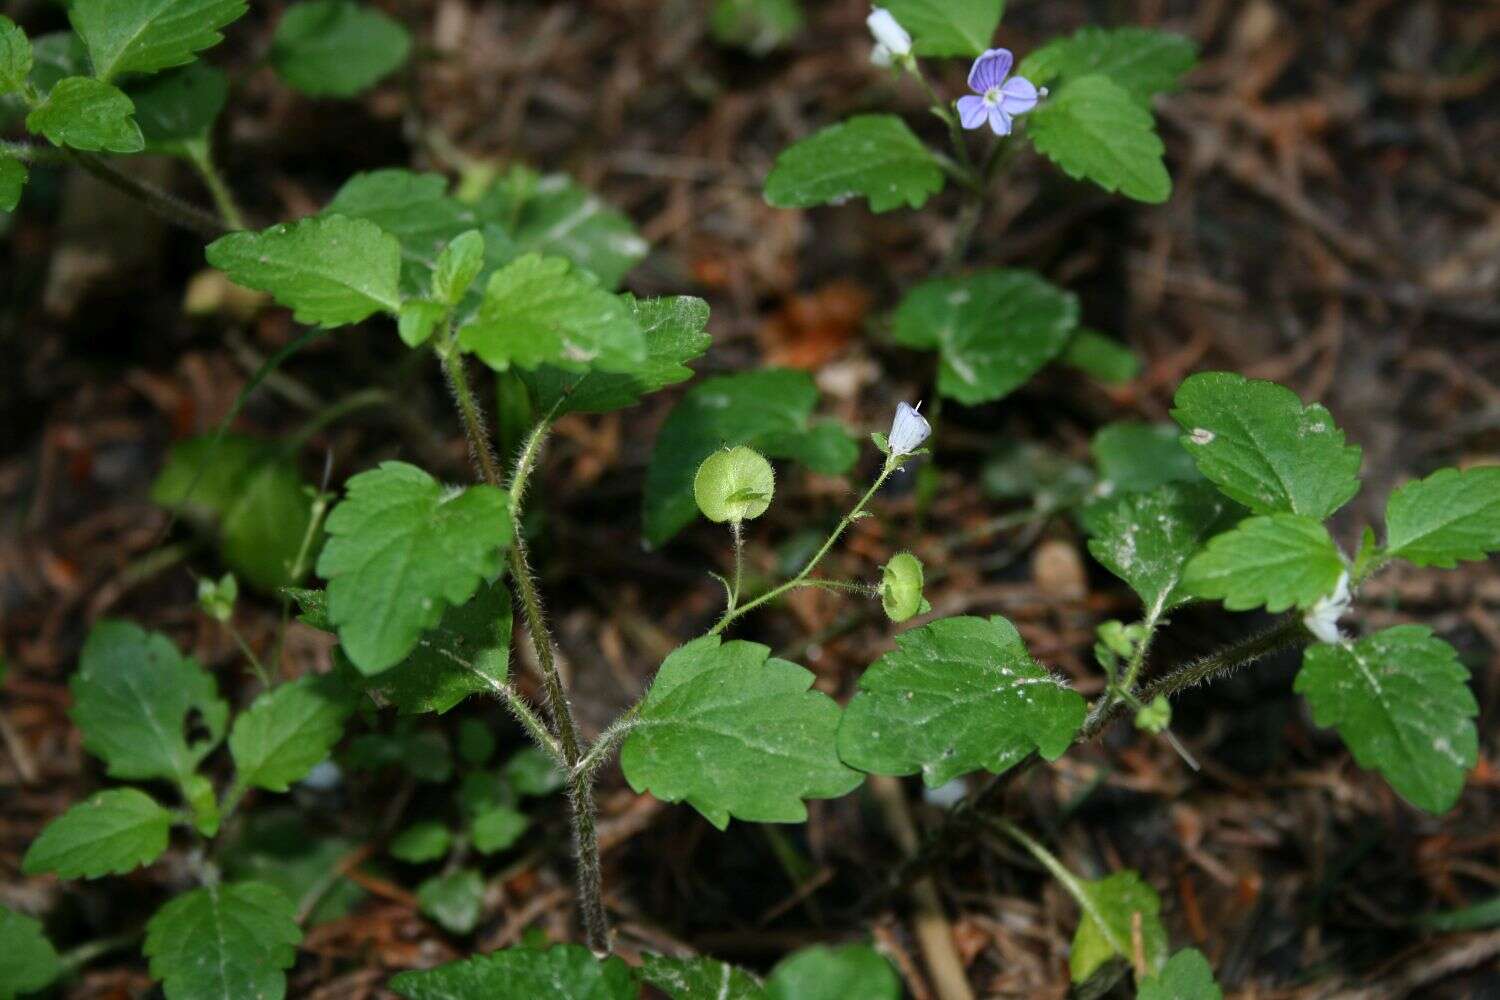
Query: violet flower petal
[(972, 111), (999, 120), (990, 70), (1019, 95)]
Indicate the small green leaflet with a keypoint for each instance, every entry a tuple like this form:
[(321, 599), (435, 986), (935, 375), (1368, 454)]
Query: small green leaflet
[(328, 270), (757, 26), (540, 311), (87, 114), (132, 696), (1186, 976), (564, 970), (176, 110), (15, 57), (1146, 539), (699, 979), (288, 731), (770, 411), (401, 549), (144, 36), (675, 333), (255, 492), (1400, 700), (871, 156), (276, 847), (948, 27), (457, 266), (467, 653), (337, 48), (1259, 444), (734, 733), (1451, 515), (1134, 457), (1106, 930), (113, 832), (13, 176), (1101, 357), (992, 329), (414, 208), (498, 829), (834, 973), (1094, 130), (1141, 61), (1278, 562), (58, 54), (553, 215), (421, 842), (955, 696), (531, 772), (28, 962), (454, 899), (226, 941)]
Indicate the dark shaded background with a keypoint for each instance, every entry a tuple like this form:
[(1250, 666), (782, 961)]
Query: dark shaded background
[(1335, 226)]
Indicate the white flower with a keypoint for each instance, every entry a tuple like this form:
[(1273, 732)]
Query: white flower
[(881, 56), (908, 430), (889, 34), (1323, 620)]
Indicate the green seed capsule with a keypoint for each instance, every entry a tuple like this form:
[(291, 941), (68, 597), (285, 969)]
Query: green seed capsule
[(901, 587), (734, 485)]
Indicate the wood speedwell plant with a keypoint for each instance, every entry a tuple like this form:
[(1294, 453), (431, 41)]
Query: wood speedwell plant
[(518, 272)]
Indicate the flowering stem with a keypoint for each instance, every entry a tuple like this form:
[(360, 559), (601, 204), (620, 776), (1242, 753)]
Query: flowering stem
[(892, 463), (738, 530), (203, 162)]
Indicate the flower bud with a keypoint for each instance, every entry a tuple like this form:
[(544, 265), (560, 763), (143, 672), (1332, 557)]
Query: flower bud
[(889, 33), (908, 430), (734, 485)]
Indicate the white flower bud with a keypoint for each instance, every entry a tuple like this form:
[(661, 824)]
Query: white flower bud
[(908, 430), (889, 33), (1323, 619)]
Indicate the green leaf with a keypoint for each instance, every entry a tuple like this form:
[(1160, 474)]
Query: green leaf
[(421, 842), (176, 111), (734, 733), (1480, 916), (1135, 457), (467, 653), (699, 979), (113, 832), (132, 698), (1141, 61), (288, 731), (675, 333), (458, 265), (401, 549), (1103, 358), (252, 488), (419, 320), (948, 27), (954, 696), (1106, 931), (1400, 700), (870, 156), (1093, 129), (540, 311), (757, 26), (144, 36), (28, 962), (769, 410), (276, 847), (1186, 976), (992, 330), (89, 115), (13, 176), (226, 941), (498, 829), (1259, 444), (414, 208), (1451, 515), (530, 772), (16, 58), (1146, 539), (423, 755), (454, 900), (564, 970), (834, 973), (58, 54), (555, 216), (328, 270), (337, 48), (1278, 562)]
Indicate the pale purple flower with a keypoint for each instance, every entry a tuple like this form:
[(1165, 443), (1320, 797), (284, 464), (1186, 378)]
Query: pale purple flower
[(996, 100), (908, 430)]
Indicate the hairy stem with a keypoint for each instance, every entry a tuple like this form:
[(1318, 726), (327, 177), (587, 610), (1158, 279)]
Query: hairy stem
[(580, 788), (169, 207)]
